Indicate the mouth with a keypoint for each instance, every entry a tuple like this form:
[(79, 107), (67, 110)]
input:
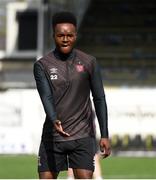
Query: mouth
[(65, 45)]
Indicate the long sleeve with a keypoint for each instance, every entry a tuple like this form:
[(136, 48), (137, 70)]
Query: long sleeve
[(99, 100), (44, 91)]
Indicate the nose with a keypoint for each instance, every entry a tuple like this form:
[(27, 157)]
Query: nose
[(65, 38)]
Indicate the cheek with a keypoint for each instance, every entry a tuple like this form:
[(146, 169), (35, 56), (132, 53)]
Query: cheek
[(73, 40), (57, 41)]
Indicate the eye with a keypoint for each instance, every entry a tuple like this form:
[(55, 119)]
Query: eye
[(70, 35), (59, 35)]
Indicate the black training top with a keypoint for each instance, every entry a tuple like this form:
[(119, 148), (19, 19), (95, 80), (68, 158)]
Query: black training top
[(64, 84)]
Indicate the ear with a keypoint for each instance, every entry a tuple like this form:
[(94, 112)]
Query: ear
[(53, 32), (76, 35)]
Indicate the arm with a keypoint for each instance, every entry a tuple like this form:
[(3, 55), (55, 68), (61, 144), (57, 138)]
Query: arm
[(46, 96), (100, 108), (44, 91)]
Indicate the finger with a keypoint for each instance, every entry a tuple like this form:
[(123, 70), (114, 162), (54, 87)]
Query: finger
[(101, 149), (106, 153), (60, 129), (65, 134), (105, 156), (58, 122)]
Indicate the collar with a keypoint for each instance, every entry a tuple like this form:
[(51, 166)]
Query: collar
[(63, 57)]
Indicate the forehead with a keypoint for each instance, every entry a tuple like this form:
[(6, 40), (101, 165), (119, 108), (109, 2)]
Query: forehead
[(65, 27)]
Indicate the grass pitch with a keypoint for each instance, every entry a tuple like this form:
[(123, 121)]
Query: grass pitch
[(25, 167)]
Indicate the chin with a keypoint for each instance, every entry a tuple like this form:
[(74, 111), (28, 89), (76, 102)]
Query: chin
[(65, 50)]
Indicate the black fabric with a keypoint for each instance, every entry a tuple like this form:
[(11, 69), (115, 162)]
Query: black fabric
[(80, 154), (99, 100), (45, 91), (68, 99)]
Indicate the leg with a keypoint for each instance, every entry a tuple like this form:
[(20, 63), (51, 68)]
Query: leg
[(81, 160), (51, 161), (97, 172), (70, 174), (83, 174), (48, 175)]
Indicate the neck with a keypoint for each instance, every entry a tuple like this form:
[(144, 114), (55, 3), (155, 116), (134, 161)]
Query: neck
[(63, 57)]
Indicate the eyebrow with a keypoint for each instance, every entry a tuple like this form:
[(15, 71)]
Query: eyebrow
[(68, 32)]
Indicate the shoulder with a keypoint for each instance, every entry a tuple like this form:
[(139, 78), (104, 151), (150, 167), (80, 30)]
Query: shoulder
[(85, 56), (46, 57), (41, 61), (87, 59)]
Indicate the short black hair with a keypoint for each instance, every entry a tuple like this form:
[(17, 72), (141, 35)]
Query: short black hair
[(64, 17)]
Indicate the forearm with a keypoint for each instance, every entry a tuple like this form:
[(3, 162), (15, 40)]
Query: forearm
[(99, 101), (45, 92), (101, 112)]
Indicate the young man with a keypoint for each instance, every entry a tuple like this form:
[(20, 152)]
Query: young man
[(64, 79)]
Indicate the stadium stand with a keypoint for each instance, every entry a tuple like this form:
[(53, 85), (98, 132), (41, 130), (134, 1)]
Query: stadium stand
[(121, 34), (133, 143)]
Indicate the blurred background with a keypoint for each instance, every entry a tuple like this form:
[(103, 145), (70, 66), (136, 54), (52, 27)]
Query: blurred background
[(122, 36)]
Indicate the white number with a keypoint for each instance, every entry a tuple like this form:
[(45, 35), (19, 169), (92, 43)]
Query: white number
[(53, 76)]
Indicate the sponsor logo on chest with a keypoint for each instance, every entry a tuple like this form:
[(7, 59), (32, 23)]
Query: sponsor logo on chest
[(53, 74)]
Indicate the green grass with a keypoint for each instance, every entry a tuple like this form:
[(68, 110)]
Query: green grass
[(18, 167), (129, 167), (25, 167)]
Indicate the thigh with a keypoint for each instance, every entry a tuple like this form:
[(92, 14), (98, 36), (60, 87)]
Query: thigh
[(51, 158), (83, 174), (48, 175), (82, 157)]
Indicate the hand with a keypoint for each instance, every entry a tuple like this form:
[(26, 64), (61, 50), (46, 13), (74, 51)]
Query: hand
[(105, 147), (59, 129)]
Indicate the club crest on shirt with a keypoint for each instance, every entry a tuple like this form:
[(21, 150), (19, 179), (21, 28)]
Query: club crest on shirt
[(53, 74), (80, 68)]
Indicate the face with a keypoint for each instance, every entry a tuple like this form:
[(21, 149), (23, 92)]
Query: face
[(65, 37)]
